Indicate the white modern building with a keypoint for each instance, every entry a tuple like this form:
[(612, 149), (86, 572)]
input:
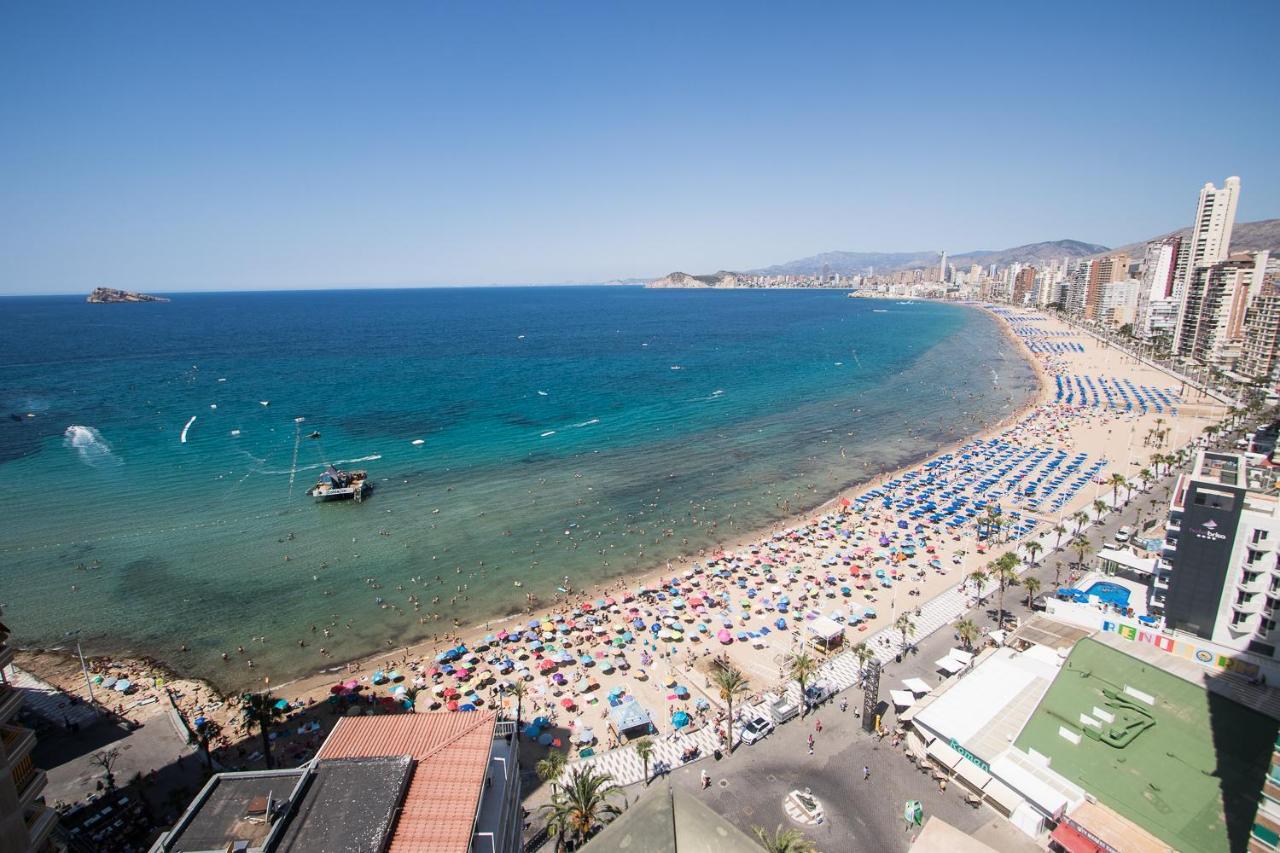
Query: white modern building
[(1209, 241), (1157, 289), (1211, 321)]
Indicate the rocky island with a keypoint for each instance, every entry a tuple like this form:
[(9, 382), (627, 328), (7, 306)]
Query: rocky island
[(680, 279), (103, 295)]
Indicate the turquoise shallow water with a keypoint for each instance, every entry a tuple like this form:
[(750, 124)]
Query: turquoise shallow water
[(591, 432)]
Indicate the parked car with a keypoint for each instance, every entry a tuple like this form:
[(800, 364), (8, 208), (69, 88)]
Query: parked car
[(1124, 534), (756, 728), (818, 692)]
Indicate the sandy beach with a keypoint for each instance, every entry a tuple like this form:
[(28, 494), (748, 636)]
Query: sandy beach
[(861, 557)]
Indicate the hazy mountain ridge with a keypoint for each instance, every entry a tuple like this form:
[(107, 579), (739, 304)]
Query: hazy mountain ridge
[(1245, 237), (854, 263)]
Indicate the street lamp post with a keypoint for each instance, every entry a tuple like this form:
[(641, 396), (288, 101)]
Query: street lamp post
[(88, 682)]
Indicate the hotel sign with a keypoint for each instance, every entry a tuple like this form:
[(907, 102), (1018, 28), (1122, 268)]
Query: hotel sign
[(1080, 828), (955, 744), (1208, 532)]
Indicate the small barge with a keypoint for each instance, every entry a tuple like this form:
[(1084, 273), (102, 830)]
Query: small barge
[(336, 485)]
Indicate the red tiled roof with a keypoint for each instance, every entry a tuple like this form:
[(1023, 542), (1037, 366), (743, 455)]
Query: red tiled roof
[(451, 755)]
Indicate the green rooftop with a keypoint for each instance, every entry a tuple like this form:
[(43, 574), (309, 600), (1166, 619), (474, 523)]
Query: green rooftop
[(1188, 769)]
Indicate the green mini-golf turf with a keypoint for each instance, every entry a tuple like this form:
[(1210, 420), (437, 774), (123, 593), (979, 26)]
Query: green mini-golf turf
[(1193, 779)]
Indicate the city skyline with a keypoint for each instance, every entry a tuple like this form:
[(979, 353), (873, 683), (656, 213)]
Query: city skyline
[(179, 149)]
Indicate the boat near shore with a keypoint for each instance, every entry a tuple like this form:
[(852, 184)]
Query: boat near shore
[(337, 485)]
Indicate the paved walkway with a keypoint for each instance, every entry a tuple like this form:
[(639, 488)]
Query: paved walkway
[(42, 698)]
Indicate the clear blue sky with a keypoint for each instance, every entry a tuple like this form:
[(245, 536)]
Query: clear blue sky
[(181, 146)]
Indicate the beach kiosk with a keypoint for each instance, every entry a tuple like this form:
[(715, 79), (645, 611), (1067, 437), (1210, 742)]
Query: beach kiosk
[(629, 719), (825, 634)]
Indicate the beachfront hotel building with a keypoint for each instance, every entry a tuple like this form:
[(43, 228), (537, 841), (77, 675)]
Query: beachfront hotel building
[(26, 823), (444, 782), (1218, 577)]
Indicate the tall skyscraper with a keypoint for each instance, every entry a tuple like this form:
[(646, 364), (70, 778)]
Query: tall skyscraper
[(1260, 357), (1158, 267), (1210, 239), (1024, 285), (942, 267)]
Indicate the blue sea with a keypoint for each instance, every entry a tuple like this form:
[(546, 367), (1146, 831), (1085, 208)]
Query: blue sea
[(582, 431)]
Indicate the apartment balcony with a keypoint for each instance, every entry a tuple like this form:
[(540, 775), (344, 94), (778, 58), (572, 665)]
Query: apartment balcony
[(10, 702), (1173, 525), (40, 823), (18, 743), (29, 780), (1161, 583), (1249, 607)]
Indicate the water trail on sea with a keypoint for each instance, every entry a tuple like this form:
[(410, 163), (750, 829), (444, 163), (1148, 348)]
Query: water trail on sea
[(293, 467), (89, 443)]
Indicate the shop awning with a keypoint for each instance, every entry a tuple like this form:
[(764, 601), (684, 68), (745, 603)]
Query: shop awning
[(1005, 798), (944, 754), (1069, 839), (972, 775)]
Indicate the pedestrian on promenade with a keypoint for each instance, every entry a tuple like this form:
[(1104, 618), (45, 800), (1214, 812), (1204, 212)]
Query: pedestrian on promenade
[(817, 726), (811, 744), (866, 772), (844, 705), (706, 779)]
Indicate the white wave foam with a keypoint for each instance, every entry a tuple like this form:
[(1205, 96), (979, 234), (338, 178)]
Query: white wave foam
[(588, 423), (89, 443)]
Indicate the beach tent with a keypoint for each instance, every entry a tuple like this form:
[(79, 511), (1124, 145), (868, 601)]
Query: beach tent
[(825, 633), (630, 719)]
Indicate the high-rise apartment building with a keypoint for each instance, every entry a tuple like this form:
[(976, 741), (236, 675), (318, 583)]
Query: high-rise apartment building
[(1260, 353), (1078, 287), (1024, 286), (1101, 273), (1210, 238), (25, 821), (1211, 317), (1159, 263)]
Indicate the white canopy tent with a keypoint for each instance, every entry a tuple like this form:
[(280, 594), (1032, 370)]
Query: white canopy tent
[(949, 665), (915, 685), (903, 698)]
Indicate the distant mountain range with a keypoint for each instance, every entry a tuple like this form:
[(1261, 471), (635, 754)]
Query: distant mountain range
[(1246, 236), (853, 263)]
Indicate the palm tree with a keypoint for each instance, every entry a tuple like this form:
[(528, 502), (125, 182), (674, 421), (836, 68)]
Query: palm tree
[(644, 751), (1061, 531), (1081, 545), (1080, 518), (905, 626), (1033, 549), (550, 768), (968, 631), (802, 667), (411, 699), (259, 709), (1116, 480), (1004, 570), (581, 804), (783, 840), (205, 731), (1146, 477), (731, 683), (979, 579), (518, 690), (1156, 460), (1099, 509), (1033, 586)]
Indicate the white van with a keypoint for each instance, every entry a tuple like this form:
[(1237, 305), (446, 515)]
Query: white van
[(1124, 534)]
